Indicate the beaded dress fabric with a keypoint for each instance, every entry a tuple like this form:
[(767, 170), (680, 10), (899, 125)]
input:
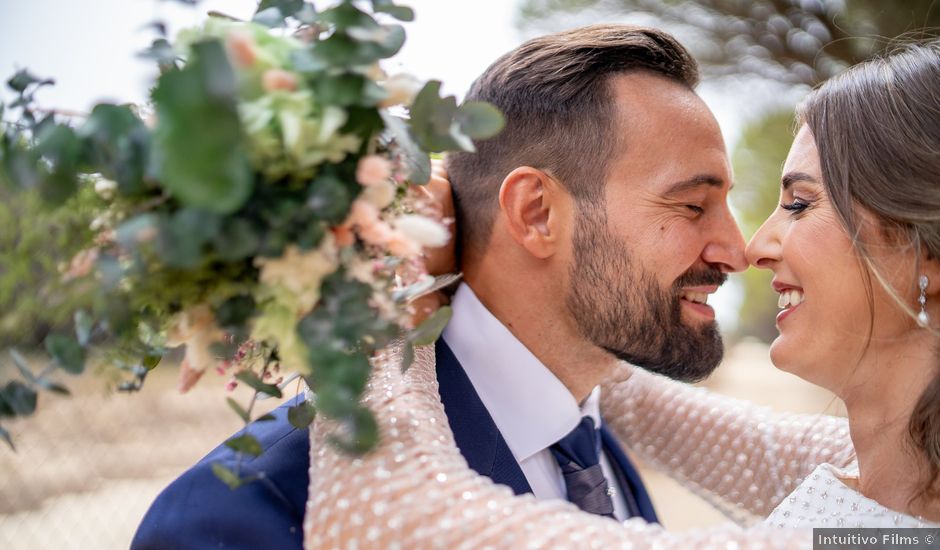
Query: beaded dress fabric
[(415, 489), (741, 457), (825, 499)]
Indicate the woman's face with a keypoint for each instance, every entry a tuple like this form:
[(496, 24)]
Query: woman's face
[(825, 309)]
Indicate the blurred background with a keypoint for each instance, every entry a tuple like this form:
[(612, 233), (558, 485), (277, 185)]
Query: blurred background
[(87, 467)]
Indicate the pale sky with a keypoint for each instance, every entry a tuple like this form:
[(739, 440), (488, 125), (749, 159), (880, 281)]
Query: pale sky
[(88, 46)]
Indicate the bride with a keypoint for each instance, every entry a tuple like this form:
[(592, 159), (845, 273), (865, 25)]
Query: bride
[(855, 251)]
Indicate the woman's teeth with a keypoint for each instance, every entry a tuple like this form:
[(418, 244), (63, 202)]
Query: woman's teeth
[(790, 298)]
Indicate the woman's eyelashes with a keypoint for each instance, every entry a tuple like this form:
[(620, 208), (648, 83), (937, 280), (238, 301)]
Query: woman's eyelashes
[(796, 206)]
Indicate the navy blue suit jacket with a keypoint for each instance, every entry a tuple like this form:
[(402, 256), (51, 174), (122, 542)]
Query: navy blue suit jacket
[(199, 511)]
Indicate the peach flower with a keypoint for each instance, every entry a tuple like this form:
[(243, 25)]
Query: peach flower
[(402, 245), (278, 79), (379, 195), (373, 170), (196, 329), (242, 48)]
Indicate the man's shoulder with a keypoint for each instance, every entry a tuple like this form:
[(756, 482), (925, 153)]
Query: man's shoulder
[(198, 509)]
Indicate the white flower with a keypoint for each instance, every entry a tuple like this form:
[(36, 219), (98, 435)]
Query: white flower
[(301, 271), (402, 89), (422, 230), (105, 188)]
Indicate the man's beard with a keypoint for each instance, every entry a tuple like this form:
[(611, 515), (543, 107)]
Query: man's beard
[(618, 306)]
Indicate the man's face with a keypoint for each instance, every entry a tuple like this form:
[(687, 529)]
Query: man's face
[(646, 257)]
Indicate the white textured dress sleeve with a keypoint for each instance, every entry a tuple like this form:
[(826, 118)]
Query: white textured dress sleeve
[(743, 458), (415, 490)]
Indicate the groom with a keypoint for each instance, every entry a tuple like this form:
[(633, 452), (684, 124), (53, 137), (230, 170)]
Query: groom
[(591, 230)]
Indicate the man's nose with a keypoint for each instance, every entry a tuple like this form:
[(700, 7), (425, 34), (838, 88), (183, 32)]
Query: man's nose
[(725, 248)]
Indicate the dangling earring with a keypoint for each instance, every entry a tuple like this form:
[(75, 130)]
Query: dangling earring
[(923, 319)]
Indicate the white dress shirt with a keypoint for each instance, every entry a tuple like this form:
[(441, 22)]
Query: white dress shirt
[(531, 408)]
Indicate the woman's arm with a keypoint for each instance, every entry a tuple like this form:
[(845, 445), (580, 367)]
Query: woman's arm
[(415, 490), (743, 458)]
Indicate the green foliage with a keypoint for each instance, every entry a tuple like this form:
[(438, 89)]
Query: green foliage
[(245, 443), (201, 154), (34, 242), (227, 476), (432, 327), (302, 415), (758, 163), (797, 43), (217, 223)]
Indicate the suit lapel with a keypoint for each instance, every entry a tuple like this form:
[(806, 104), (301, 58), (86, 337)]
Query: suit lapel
[(476, 434)]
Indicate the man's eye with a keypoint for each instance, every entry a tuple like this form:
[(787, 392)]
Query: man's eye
[(695, 208)]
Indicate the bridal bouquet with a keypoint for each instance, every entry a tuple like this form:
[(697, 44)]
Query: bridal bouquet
[(258, 212)]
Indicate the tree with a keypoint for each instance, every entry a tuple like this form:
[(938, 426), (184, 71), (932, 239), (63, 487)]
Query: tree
[(792, 45)]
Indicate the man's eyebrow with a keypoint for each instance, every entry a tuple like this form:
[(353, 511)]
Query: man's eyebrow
[(790, 178), (695, 181)]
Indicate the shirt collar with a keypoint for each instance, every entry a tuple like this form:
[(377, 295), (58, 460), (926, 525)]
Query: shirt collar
[(531, 408)]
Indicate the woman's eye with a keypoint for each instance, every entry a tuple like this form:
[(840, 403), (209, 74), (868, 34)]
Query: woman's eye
[(797, 206)]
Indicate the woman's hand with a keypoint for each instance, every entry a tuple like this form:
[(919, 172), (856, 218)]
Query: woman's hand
[(437, 198), (437, 203)]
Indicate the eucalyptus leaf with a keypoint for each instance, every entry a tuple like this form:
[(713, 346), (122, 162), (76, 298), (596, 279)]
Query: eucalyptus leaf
[(24, 79), (407, 356), (83, 326), (200, 146), (235, 311), (417, 161), (329, 199), (239, 410), (269, 17), (226, 475), (246, 443), (302, 415), (480, 120), (362, 433), (66, 352), (430, 330), (19, 397), (119, 145), (151, 361), (5, 435), (238, 239), (52, 386), (253, 381), (286, 7), (402, 13), (22, 366)]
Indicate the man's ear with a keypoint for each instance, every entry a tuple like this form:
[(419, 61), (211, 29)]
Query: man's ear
[(534, 206)]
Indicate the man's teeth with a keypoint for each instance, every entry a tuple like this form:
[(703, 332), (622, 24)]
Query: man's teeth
[(790, 298), (697, 297)]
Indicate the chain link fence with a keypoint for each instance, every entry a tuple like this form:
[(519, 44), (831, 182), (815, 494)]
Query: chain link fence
[(87, 467)]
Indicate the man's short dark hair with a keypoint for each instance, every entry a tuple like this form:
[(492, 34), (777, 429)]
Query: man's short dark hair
[(555, 93)]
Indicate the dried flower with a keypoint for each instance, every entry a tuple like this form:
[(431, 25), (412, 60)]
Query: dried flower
[(423, 230), (402, 89)]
